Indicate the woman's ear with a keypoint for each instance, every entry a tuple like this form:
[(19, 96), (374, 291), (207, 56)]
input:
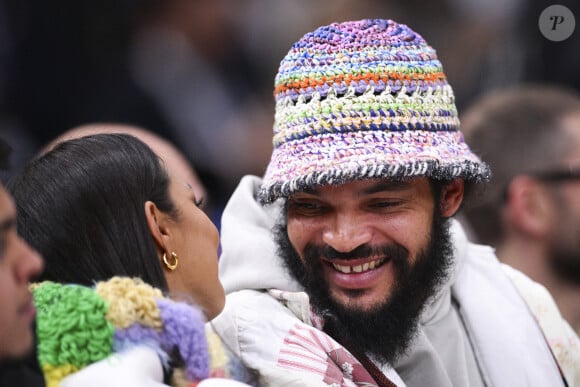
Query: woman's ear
[(156, 222), (451, 197)]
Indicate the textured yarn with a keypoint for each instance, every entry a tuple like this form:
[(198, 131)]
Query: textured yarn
[(78, 325), (364, 99)]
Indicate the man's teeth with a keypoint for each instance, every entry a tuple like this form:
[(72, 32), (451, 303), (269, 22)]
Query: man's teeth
[(358, 268)]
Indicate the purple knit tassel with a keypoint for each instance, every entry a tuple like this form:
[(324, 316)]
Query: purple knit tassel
[(184, 329)]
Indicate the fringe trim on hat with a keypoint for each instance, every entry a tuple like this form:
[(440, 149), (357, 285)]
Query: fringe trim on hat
[(468, 170)]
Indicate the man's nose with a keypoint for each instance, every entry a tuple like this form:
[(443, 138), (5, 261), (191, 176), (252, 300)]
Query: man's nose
[(346, 232)]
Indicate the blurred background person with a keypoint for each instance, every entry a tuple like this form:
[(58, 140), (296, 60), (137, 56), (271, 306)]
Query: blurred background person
[(187, 58), (530, 211), (173, 66), (175, 161)]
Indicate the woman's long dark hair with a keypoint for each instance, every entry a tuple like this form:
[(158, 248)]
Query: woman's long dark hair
[(82, 206)]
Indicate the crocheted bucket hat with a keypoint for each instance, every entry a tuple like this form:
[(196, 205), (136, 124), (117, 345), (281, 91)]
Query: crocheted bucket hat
[(364, 99)]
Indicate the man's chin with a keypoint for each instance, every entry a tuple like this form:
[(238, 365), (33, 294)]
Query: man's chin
[(357, 301)]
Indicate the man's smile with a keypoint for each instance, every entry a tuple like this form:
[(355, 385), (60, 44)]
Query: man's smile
[(357, 266), (361, 273)]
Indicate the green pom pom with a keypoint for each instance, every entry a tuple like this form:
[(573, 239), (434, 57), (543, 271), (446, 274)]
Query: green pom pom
[(71, 325)]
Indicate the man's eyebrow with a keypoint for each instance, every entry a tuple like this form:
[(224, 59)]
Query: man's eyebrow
[(310, 191), (381, 186), (386, 186)]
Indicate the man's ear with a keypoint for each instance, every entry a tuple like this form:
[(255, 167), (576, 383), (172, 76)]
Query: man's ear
[(528, 206), (157, 224), (451, 197)]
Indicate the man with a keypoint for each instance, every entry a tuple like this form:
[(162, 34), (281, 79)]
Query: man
[(530, 136), (355, 273), (19, 264)]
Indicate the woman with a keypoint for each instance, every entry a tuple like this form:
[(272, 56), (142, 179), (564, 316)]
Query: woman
[(103, 206)]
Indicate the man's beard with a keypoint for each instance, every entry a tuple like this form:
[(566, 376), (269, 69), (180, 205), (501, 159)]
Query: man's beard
[(385, 330)]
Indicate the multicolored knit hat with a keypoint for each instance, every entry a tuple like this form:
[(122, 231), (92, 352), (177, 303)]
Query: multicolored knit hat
[(364, 99), (78, 325)]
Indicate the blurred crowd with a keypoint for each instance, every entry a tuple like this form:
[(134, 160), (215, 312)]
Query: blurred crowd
[(199, 72)]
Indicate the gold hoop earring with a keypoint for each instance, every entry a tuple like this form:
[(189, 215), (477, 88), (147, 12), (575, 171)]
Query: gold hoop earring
[(171, 266)]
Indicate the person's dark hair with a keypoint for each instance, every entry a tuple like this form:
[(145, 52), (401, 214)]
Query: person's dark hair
[(516, 131), (82, 206)]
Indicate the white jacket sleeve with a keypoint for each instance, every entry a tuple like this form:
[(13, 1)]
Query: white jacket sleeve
[(218, 382), (137, 367)]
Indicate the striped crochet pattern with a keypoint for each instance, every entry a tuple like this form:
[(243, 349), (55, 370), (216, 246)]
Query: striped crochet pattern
[(78, 325), (364, 99)]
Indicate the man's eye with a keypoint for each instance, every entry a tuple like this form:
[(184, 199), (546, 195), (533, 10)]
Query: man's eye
[(306, 207), (384, 203)]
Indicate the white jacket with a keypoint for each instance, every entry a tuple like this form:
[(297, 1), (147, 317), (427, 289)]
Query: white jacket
[(478, 328), (138, 367)]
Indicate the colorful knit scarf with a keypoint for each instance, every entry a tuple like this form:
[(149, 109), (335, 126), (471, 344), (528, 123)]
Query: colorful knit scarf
[(78, 325)]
